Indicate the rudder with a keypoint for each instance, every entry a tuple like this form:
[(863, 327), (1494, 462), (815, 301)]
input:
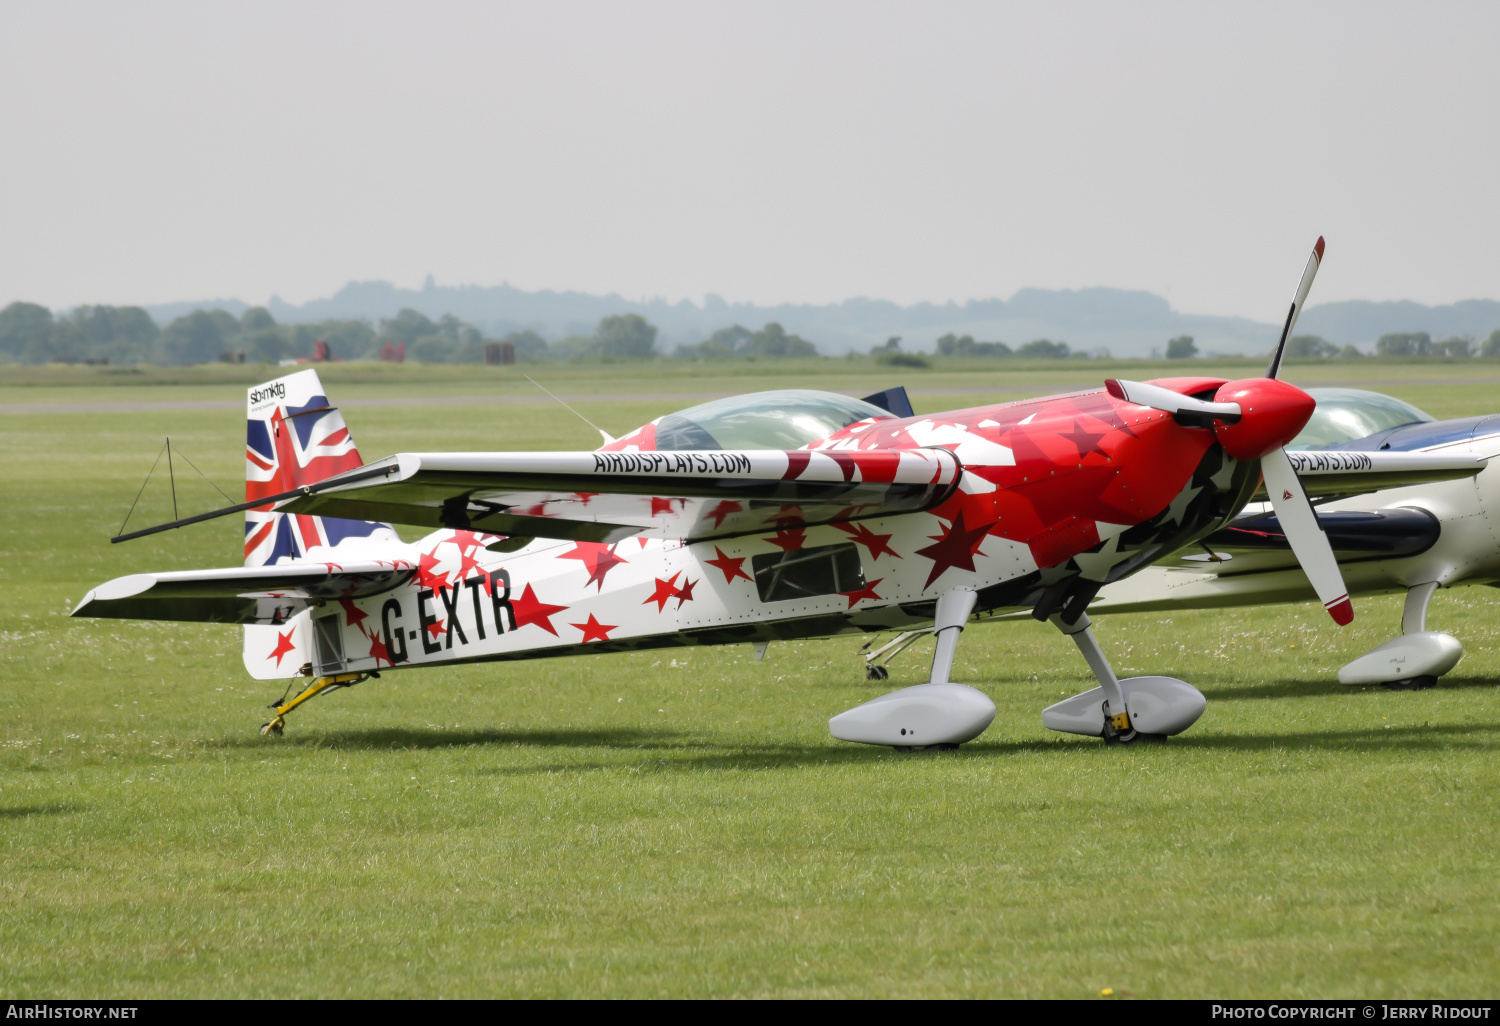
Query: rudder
[(294, 437)]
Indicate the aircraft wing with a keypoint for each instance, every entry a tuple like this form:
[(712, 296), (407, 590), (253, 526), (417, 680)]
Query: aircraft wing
[(606, 496), (241, 594), (1337, 473)]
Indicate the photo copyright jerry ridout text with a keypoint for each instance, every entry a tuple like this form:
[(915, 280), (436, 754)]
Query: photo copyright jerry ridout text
[(1425, 1010), (55, 1010)]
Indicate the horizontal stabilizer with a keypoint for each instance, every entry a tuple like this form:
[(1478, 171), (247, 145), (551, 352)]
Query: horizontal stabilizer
[(606, 496), (254, 594)]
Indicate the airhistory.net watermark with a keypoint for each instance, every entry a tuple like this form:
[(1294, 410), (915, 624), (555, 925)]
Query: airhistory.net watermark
[(55, 1010)]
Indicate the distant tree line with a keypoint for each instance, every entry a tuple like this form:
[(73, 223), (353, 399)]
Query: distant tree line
[(1042, 348), (1416, 343), (30, 333)]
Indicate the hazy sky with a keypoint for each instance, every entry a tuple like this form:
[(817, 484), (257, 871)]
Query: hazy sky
[(762, 151)]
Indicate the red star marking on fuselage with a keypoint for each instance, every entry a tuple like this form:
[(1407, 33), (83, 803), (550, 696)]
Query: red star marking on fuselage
[(468, 540), (1086, 441), (722, 510), (427, 563), (378, 651), (789, 540), (353, 614), (437, 630), (876, 543), (685, 593), (665, 590), (955, 548), (334, 568), (529, 609), (594, 630), (867, 592), (283, 646), (597, 557), (789, 515), (730, 567), (467, 563)]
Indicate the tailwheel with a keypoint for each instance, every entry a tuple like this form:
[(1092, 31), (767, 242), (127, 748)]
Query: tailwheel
[(313, 690)]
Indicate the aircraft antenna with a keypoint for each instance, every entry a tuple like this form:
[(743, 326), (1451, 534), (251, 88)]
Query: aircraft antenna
[(141, 492), (607, 436), (172, 478), (205, 477)]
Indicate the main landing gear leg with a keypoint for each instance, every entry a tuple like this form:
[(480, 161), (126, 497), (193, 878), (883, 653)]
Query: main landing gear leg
[(938, 714), (1116, 716), (1414, 660), (313, 690), (1121, 711)]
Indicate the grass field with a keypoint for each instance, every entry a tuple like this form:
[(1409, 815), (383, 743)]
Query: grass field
[(681, 824)]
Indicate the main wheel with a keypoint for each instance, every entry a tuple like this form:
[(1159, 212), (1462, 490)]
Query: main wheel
[(1411, 683), (1131, 737), (874, 671)]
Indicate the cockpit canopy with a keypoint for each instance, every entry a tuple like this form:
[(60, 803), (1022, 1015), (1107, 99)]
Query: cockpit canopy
[(786, 418), (1345, 414)]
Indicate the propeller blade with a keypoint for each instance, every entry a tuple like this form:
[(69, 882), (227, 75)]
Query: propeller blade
[(1309, 543), (1308, 274), (1168, 401)]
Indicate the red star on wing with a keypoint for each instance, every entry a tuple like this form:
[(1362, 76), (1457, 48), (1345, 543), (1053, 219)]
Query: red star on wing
[(662, 505), (584, 497), (353, 614), (283, 646), (334, 568), (789, 540), (437, 630), (862, 535), (664, 590), (599, 558), (594, 630), (529, 609), (789, 515), (722, 510), (955, 548), (685, 593), (867, 592), (427, 564), (731, 567)]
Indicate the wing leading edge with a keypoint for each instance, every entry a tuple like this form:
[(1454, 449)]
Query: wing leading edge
[(606, 496)]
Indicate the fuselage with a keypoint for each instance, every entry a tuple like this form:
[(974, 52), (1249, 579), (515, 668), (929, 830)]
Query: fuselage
[(1058, 496)]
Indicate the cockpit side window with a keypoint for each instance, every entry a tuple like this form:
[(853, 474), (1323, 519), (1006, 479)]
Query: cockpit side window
[(784, 419), (1346, 414)]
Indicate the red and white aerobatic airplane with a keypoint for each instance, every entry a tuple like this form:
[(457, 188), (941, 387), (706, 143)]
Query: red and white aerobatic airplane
[(775, 515)]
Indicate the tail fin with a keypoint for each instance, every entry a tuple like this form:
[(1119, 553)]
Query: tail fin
[(294, 438)]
